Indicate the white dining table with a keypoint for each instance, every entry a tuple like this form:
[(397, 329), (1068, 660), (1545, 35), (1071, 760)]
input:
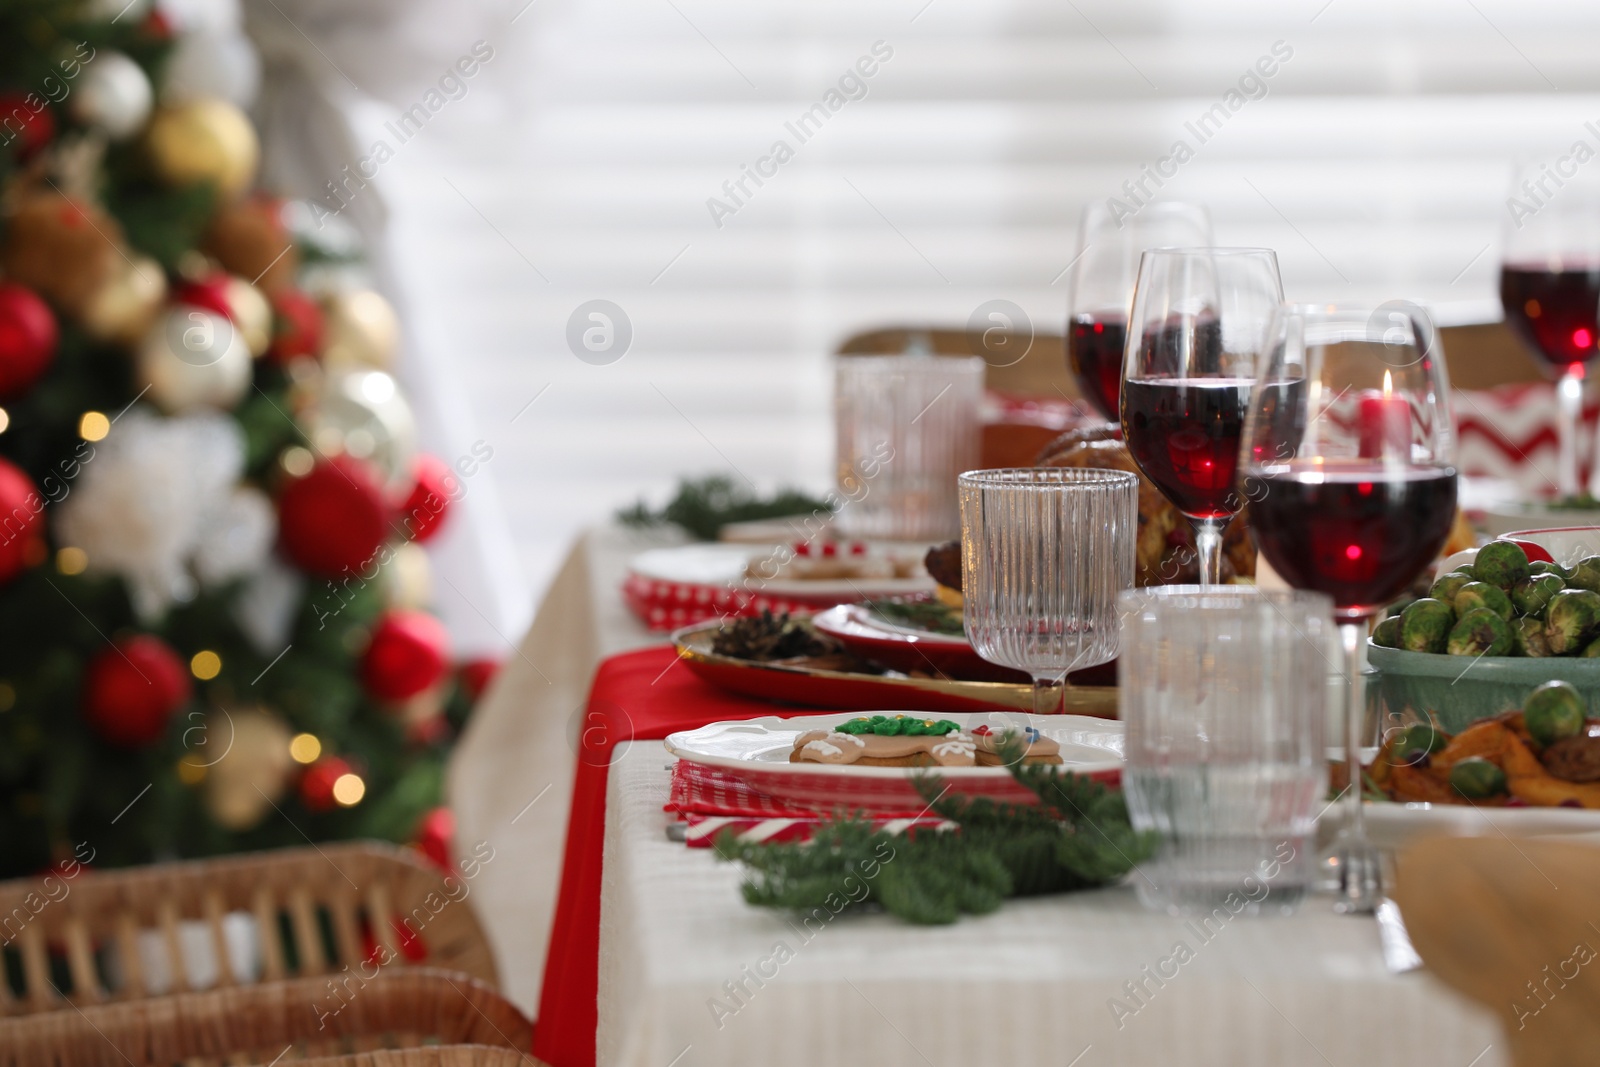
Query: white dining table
[(691, 975)]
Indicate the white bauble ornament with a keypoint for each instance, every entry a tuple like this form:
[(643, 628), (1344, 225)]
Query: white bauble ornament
[(192, 16), (192, 358), (252, 313), (238, 538), (212, 63), (112, 95), (266, 607), (364, 414), (362, 330), (123, 12), (145, 498), (408, 578)]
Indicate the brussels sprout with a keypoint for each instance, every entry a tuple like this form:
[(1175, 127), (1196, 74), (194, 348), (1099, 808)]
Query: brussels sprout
[(1532, 595), (1425, 625), (1415, 743), (1585, 574), (1501, 563), (1553, 711), (1476, 778), (1572, 614), (1527, 635), (1591, 650), (1482, 595), (1387, 632), (1542, 566), (1480, 632), (1448, 585), (1467, 569)]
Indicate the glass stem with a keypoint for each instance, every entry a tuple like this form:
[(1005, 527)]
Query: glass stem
[(1569, 413), (1354, 637), (1208, 543), (1049, 693)]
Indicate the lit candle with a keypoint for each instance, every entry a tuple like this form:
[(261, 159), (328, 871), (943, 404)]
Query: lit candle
[(1385, 423)]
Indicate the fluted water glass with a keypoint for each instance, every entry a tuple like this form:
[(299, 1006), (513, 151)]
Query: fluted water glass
[(1045, 552)]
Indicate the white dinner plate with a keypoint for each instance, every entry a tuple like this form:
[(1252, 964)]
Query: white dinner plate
[(722, 566), (757, 751)]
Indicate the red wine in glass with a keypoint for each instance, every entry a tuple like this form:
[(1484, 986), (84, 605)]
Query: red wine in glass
[(1556, 312), (1184, 435), (1360, 532), (1094, 351)]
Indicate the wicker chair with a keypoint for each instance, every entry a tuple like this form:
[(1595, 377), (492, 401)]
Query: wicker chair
[(318, 910), (297, 1019)]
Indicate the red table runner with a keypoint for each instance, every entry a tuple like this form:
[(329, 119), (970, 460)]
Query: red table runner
[(636, 696)]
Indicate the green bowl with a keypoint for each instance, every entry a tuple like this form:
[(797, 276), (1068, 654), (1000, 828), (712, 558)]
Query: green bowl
[(1459, 690)]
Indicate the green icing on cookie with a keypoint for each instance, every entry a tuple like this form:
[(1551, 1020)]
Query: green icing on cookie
[(898, 726)]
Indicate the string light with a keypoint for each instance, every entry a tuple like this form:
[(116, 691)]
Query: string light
[(93, 426), (190, 770), (348, 789), (305, 748), (297, 462), (72, 560), (5, 419), (205, 665)]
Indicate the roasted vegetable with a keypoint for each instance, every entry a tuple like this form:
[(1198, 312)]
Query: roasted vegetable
[(1544, 566), (1553, 711), (1448, 585), (1568, 621), (1586, 574), (1480, 632), (1387, 632), (1477, 779), (1532, 595), (1416, 743), (1476, 595), (1527, 637), (1425, 625), (1501, 563)]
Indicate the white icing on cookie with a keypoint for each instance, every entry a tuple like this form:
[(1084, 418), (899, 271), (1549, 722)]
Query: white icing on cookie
[(826, 753)]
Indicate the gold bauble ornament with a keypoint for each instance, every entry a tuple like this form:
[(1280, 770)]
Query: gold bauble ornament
[(247, 764), (124, 307), (250, 240), (408, 578), (204, 141), (252, 314), (361, 330), (363, 413), (64, 248), (192, 358)]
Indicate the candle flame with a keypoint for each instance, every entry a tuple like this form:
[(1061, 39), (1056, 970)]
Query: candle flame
[(1388, 385)]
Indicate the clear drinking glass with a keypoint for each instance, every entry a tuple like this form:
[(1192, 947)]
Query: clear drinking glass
[(1222, 691), (1198, 324), (1044, 553), (1349, 463), (1104, 270), (1550, 291), (907, 426)]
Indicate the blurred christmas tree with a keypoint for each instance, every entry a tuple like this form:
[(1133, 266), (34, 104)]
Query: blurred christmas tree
[(212, 633)]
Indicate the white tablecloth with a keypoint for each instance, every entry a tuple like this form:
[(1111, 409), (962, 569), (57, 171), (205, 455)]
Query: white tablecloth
[(1030, 984)]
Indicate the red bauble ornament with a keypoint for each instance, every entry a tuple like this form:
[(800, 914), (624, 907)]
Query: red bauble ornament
[(408, 654), (210, 293), (22, 532), (435, 833), (316, 783), (475, 676), (32, 127), (131, 689), (27, 339), (428, 504), (333, 521), (297, 326)]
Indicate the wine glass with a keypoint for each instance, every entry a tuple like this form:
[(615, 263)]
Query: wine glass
[(1348, 458), (1198, 322), (1550, 290), (1044, 553), (1106, 266)]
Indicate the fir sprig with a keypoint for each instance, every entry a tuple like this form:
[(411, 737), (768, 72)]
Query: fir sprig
[(1077, 837), (704, 506)]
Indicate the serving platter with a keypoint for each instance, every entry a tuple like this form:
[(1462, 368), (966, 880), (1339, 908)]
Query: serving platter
[(757, 752), (812, 687), (907, 648), (1392, 826)]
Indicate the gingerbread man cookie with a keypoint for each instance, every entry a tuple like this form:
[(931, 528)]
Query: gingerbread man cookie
[(888, 741)]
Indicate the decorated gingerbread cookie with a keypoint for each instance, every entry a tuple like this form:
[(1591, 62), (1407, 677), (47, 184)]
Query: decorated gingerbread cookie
[(888, 741), (989, 741)]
